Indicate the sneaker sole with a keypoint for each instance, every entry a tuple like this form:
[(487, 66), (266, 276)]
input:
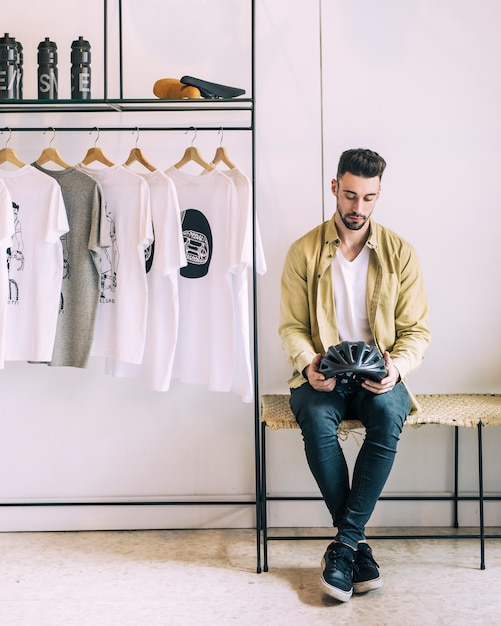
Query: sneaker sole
[(367, 585), (334, 592)]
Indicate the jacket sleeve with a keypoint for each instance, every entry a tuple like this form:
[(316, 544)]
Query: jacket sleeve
[(295, 326), (412, 333)]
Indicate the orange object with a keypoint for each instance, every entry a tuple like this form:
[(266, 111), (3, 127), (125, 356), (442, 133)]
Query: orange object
[(174, 89)]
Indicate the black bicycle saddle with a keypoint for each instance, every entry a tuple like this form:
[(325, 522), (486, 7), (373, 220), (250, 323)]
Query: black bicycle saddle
[(212, 91)]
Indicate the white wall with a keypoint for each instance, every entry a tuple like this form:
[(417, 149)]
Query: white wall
[(416, 81)]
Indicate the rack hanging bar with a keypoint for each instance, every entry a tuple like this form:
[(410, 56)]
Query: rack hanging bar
[(39, 129)]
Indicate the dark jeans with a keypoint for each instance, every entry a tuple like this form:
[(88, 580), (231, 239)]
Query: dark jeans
[(319, 415)]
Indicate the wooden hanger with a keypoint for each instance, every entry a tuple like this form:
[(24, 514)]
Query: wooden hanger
[(136, 155), (96, 154), (221, 155), (7, 155), (51, 154), (192, 154)]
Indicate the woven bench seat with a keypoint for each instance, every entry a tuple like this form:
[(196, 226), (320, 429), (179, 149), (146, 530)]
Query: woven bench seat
[(456, 410), (466, 410)]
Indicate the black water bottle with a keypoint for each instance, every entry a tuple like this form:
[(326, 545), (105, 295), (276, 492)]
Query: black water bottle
[(80, 69), (19, 70), (47, 70), (8, 68)]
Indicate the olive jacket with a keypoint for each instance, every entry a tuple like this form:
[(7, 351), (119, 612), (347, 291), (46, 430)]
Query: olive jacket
[(397, 304)]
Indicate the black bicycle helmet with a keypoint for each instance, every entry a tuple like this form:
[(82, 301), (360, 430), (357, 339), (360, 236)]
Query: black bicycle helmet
[(351, 362)]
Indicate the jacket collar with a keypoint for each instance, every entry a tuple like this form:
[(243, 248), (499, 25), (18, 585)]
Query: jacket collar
[(332, 235)]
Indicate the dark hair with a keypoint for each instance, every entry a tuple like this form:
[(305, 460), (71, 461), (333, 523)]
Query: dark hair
[(361, 162)]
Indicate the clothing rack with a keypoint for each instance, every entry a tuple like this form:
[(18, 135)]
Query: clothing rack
[(129, 106), (174, 502)]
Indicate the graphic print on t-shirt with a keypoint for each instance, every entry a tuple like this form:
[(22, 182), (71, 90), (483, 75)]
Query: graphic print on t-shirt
[(66, 256), (197, 238), (149, 254), (66, 266), (109, 264), (15, 254)]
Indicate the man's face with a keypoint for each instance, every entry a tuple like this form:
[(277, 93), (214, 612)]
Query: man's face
[(356, 197)]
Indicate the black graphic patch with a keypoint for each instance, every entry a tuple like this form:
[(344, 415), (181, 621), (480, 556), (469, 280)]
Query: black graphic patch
[(149, 253), (15, 257), (197, 237), (109, 260)]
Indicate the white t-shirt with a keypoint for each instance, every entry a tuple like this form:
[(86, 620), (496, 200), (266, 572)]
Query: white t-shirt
[(120, 328), (164, 258), (6, 232), (349, 286), (243, 380), (35, 264), (213, 234), (244, 199)]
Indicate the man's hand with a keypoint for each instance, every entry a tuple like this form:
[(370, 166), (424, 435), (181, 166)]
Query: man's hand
[(316, 379), (388, 382)]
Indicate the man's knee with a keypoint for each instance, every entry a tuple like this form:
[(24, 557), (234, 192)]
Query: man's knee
[(316, 412), (384, 421), (385, 429)]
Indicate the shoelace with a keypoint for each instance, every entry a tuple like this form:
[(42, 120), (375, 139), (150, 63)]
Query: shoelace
[(366, 555), (338, 562)]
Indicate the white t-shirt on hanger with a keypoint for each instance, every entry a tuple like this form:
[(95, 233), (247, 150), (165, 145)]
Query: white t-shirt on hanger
[(243, 380), (164, 259), (6, 232), (213, 230), (35, 264), (120, 328)]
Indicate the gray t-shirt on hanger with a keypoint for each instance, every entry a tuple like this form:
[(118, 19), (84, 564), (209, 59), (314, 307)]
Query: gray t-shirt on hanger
[(89, 232)]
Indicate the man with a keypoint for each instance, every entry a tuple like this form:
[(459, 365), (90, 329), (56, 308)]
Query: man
[(351, 279)]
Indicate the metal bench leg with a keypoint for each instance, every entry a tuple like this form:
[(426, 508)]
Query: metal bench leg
[(456, 474), (481, 497), (264, 495), (259, 507)]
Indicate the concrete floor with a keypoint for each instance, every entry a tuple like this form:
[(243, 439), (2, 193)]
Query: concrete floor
[(181, 577)]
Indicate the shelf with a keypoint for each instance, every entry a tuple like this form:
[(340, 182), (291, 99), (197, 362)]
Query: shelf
[(86, 106)]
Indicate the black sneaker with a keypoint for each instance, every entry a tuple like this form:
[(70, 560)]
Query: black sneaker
[(366, 574), (337, 576)]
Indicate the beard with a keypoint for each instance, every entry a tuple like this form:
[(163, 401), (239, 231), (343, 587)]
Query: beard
[(353, 225)]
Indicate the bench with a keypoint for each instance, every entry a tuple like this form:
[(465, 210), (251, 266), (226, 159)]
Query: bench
[(456, 410)]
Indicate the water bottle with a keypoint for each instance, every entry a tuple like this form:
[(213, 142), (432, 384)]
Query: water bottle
[(8, 68), (47, 70), (80, 69), (19, 70)]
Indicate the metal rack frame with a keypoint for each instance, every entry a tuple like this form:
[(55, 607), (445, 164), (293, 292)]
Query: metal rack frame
[(154, 105)]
